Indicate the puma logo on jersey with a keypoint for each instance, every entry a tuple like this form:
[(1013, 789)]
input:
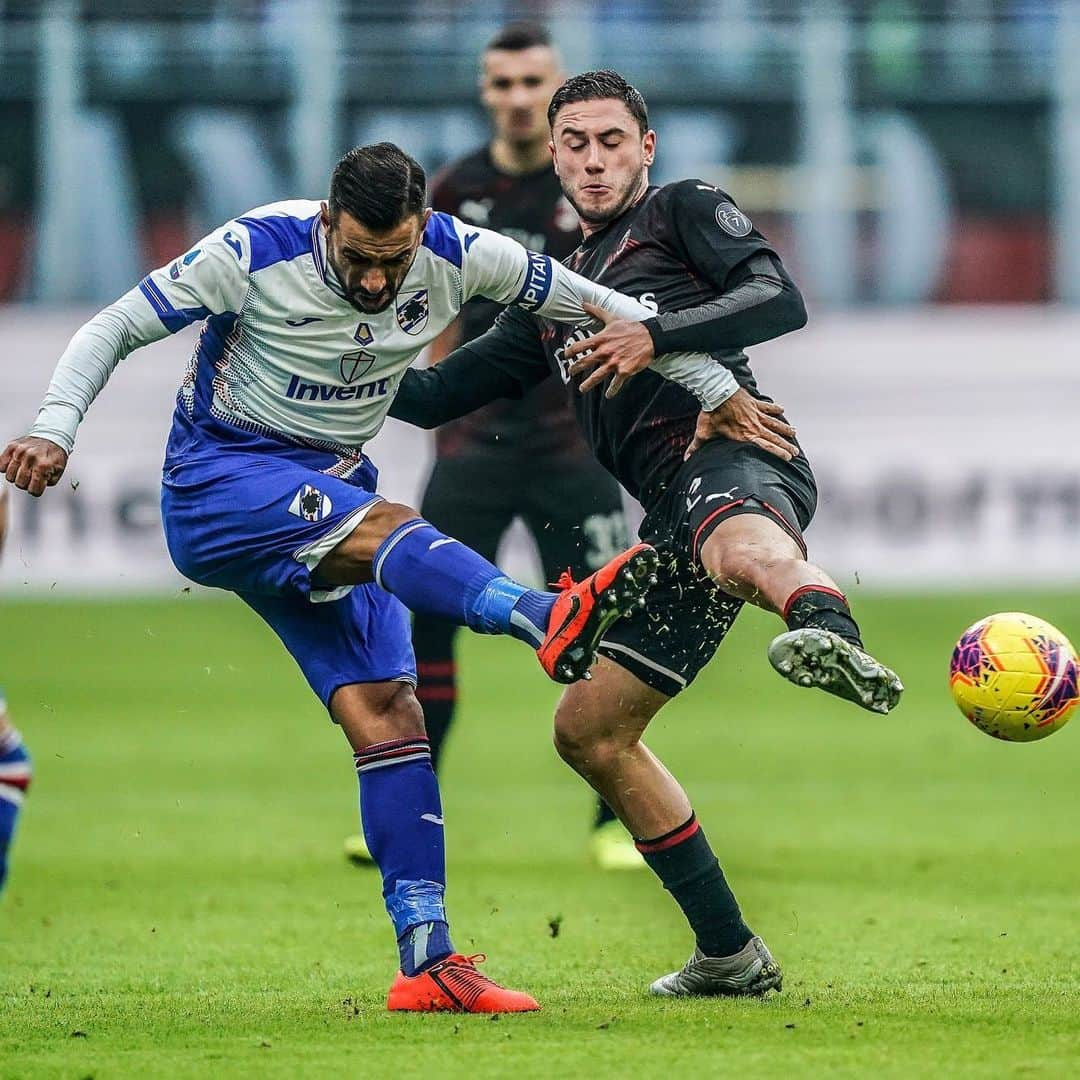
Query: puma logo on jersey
[(723, 494)]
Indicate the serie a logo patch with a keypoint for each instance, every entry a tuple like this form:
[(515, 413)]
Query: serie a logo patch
[(310, 504), (732, 220)]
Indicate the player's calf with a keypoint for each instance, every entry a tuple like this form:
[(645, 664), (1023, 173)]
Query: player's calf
[(434, 574)]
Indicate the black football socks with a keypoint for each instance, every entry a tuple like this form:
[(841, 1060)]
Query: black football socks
[(821, 608), (684, 862)]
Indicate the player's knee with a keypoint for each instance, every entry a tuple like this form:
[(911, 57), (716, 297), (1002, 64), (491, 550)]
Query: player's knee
[(401, 711), (589, 742), (743, 566), (350, 562), (376, 712)]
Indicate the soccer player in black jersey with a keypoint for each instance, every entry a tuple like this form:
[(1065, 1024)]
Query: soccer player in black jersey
[(727, 494), (514, 459)]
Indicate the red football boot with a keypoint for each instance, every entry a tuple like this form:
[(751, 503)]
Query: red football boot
[(454, 985), (584, 610)]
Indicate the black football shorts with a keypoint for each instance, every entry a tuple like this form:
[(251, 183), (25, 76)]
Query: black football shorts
[(686, 615)]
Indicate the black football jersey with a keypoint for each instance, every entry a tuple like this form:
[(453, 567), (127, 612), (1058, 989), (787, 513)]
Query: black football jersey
[(531, 209), (677, 251)]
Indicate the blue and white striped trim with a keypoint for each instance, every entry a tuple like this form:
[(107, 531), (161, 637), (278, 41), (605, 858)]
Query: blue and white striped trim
[(11, 794), (392, 542), (173, 319), (317, 246)]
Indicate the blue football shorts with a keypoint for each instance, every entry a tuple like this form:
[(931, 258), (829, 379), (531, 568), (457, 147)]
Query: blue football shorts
[(257, 524)]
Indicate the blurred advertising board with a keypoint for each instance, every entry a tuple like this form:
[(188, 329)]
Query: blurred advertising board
[(943, 439)]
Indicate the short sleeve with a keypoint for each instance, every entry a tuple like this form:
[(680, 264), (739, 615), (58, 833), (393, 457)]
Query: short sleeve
[(711, 234), (209, 279)]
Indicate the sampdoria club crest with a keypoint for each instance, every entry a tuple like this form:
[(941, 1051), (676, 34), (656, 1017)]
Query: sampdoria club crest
[(310, 504), (412, 311)]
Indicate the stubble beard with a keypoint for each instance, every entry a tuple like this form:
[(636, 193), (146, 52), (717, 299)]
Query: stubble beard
[(622, 204)]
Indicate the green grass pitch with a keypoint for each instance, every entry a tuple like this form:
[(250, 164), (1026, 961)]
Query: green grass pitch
[(179, 904)]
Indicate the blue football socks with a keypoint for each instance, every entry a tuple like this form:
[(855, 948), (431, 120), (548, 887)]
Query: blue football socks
[(434, 574), (403, 826), (14, 781)]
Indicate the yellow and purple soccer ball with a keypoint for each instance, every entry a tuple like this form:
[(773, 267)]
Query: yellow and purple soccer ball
[(1015, 677)]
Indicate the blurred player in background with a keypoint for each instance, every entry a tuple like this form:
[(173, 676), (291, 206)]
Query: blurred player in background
[(727, 493), (14, 760), (312, 312), (514, 459)]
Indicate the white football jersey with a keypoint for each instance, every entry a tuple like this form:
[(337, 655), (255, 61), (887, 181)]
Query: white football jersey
[(283, 355), (286, 355)]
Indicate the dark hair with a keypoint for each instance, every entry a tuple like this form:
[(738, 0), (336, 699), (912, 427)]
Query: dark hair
[(379, 185), (516, 36), (597, 86)]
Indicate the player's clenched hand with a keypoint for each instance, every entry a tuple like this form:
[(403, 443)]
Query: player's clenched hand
[(33, 464), (622, 348), (742, 418)]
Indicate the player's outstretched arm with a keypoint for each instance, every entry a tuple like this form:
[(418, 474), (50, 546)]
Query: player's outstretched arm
[(763, 303), (209, 279), (756, 299), (505, 362), (501, 269)]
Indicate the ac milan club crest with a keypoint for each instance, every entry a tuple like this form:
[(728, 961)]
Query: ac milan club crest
[(412, 311)]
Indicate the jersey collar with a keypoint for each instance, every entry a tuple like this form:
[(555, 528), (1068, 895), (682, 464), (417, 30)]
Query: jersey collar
[(595, 238)]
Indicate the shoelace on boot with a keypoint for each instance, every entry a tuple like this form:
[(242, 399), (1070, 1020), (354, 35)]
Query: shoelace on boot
[(566, 581), (460, 980)]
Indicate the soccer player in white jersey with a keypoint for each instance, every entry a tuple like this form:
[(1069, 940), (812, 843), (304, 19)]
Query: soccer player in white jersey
[(14, 760), (312, 313)]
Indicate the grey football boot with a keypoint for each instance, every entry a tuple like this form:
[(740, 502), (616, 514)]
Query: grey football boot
[(812, 657), (751, 972)]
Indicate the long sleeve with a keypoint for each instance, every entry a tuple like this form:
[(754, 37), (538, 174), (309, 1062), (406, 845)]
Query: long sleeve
[(209, 279), (502, 270), (505, 362), (756, 301), (88, 361)]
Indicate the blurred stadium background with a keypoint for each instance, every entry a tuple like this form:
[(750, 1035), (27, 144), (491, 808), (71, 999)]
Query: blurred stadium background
[(917, 163)]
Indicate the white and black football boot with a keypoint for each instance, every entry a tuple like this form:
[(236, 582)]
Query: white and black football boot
[(813, 657), (751, 972)]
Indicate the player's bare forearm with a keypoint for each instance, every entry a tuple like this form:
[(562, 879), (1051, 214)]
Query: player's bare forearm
[(445, 343), (33, 464)]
